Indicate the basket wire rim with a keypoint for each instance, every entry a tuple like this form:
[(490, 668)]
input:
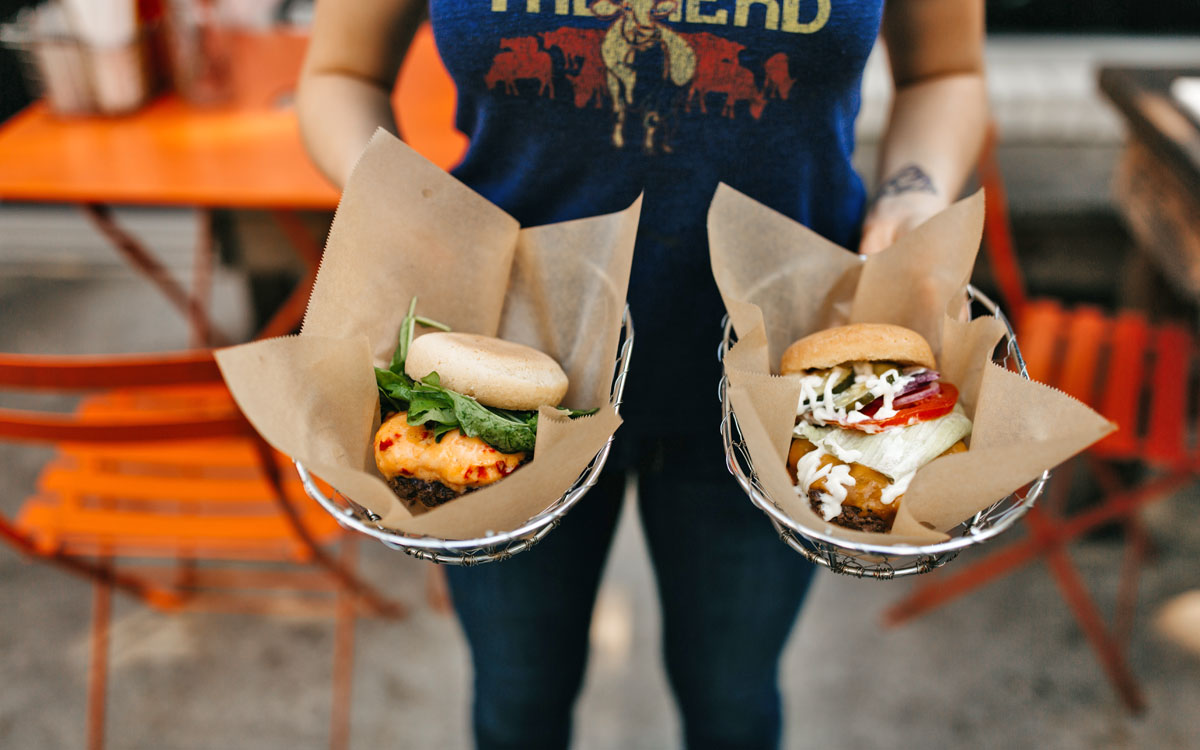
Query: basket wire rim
[(487, 547), (972, 534)]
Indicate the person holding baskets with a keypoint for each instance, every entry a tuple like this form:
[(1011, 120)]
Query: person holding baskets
[(573, 109)]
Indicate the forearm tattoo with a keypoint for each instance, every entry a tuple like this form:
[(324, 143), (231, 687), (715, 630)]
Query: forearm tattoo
[(909, 179)]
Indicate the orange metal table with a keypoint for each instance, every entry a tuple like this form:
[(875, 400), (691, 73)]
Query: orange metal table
[(245, 154)]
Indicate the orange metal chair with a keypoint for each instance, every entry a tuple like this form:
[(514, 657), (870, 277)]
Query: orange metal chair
[(1135, 373), (160, 488)]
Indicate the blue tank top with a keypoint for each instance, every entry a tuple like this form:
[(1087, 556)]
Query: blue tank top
[(574, 107)]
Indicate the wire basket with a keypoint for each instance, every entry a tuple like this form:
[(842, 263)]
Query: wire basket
[(494, 546), (881, 561)]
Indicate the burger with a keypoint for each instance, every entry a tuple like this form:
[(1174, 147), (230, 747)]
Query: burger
[(873, 410), (459, 411)]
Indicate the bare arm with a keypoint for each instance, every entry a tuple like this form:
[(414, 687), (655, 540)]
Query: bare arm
[(344, 93), (939, 113)]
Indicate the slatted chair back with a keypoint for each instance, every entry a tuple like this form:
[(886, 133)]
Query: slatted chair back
[(160, 464), (1135, 372), (156, 465), (52, 373)]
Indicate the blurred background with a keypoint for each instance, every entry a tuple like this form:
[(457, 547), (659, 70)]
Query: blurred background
[(153, 197)]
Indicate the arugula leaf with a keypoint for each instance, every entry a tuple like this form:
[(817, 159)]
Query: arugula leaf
[(395, 390), (390, 381), (442, 410), (430, 406), (430, 323), (503, 432), (406, 337)]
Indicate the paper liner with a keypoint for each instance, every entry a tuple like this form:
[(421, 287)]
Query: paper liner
[(781, 281), (403, 228)]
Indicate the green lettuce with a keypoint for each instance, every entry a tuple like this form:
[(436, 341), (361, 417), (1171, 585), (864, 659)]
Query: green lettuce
[(441, 410)]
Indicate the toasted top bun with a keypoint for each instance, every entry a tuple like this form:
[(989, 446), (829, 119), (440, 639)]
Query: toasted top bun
[(496, 372), (861, 342)]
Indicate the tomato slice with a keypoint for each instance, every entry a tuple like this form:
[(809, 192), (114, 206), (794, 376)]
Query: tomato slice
[(938, 405)]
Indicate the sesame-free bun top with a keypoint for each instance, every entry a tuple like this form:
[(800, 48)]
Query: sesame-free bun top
[(860, 342), (495, 372)]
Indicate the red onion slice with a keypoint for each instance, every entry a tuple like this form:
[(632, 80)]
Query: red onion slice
[(919, 380), (922, 385), (912, 397), (923, 376)]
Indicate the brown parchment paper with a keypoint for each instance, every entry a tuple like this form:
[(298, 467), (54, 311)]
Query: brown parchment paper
[(781, 281), (404, 227)]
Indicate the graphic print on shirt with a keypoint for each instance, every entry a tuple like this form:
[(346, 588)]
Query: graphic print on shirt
[(637, 32), (641, 66), (520, 59)]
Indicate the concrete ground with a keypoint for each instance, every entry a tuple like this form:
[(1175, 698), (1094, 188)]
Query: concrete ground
[(1003, 668)]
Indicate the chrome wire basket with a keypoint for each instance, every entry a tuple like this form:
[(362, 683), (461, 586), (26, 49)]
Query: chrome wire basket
[(864, 560), (494, 546)]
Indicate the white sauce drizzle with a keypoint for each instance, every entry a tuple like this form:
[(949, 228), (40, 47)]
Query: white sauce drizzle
[(816, 407), (828, 394), (837, 481), (887, 385), (808, 393), (849, 455), (893, 491), (816, 394), (829, 508)]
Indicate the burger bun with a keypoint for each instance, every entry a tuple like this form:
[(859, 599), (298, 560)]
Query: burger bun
[(860, 342), (497, 373)]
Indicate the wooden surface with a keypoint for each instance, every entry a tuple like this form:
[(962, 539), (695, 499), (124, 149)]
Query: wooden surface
[(1161, 212), (1143, 97), (244, 154), (1157, 183)]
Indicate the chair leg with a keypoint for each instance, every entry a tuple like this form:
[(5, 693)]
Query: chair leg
[(948, 586), (145, 262), (98, 668), (202, 273), (945, 586), (997, 229), (343, 654), (290, 314), (1055, 502), (1137, 542), (371, 597), (1086, 614)]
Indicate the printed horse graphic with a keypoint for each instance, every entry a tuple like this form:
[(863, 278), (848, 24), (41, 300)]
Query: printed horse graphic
[(636, 29), (583, 67), (520, 59)]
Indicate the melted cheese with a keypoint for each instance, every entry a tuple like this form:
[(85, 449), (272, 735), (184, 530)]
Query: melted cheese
[(839, 484), (457, 460), (817, 470)]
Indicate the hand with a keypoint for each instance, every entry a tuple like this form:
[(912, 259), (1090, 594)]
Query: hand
[(895, 214), (892, 216)]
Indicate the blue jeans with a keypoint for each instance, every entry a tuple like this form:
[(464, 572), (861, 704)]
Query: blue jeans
[(729, 589)]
